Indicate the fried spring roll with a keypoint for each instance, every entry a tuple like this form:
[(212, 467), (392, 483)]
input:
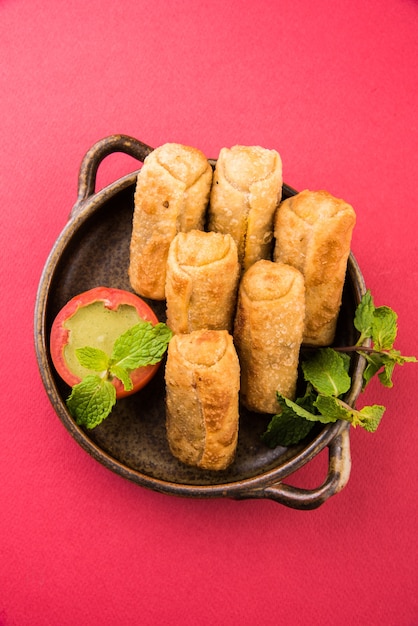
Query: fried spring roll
[(202, 382), (201, 282), (268, 332), (246, 190), (171, 196), (313, 233)]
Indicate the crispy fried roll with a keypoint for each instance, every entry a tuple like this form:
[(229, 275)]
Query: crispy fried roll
[(246, 190), (268, 332), (313, 233), (201, 283), (171, 196), (202, 382)]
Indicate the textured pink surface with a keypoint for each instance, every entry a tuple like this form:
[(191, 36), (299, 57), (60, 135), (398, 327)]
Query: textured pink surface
[(333, 87)]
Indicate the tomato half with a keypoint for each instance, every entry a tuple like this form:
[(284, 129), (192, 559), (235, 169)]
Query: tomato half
[(96, 318)]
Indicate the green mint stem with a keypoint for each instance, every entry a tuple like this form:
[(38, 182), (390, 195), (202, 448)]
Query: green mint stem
[(344, 404)]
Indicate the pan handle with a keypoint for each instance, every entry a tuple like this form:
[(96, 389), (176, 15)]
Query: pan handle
[(96, 154), (118, 143), (339, 466)]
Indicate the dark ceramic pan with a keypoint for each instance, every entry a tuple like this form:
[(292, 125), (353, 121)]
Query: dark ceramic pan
[(93, 250)]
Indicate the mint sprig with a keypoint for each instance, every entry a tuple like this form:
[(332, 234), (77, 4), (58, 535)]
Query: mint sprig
[(379, 325), (93, 399), (326, 372)]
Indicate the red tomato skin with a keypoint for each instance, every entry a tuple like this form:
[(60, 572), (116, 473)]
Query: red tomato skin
[(112, 298)]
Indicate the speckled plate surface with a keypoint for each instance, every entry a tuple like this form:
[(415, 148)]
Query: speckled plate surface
[(93, 250)]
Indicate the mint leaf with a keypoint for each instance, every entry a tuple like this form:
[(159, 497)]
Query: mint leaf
[(331, 409), (326, 371), (384, 328), (91, 401), (399, 358), (346, 361), (363, 318), (123, 376), (286, 429), (300, 411), (143, 344), (385, 376), (375, 362), (370, 417), (93, 359)]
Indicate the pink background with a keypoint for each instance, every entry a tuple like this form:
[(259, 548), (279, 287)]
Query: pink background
[(333, 87)]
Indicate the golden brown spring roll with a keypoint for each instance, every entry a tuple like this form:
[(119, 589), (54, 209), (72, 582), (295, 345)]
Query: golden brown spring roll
[(202, 382), (313, 233), (268, 332), (201, 282), (171, 196), (246, 190)]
